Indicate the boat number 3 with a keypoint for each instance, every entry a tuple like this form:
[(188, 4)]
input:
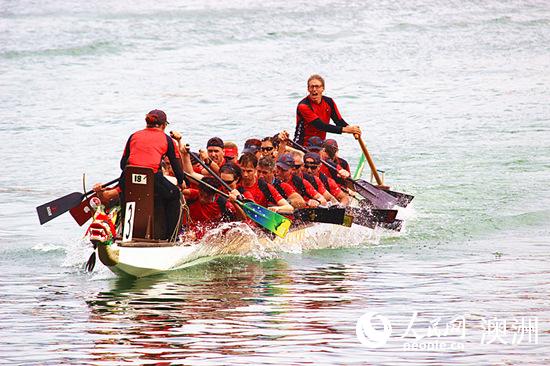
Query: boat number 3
[(128, 222), (139, 178)]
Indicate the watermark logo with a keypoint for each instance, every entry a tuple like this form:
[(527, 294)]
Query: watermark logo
[(437, 334), (373, 330)]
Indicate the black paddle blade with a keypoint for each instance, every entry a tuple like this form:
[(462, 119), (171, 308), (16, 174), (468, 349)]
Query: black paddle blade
[(403, 199), (51, 210), (332, 215), (382, 196), (90, 264), (395, 225), (369, 217), (377, 197)]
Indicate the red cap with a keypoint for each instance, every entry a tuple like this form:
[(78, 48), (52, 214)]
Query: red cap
[(156, 116), (331, 142), (230, 152)]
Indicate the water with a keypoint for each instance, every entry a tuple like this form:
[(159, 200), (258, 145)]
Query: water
[(453, 99)]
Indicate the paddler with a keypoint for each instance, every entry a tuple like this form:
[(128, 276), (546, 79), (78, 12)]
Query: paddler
[(207, 209), (146, 148), (314, 181), (263, 193), (286, 169), (266, 171), (314, 113), (312, 162)]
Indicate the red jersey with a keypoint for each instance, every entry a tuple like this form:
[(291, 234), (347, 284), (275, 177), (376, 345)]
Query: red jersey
[(206, 216), (333, 187), (313, 119), (210, 212), (260, 198), (146, 148), (302, 186), (286, 188), (333, 174), (320, 186)]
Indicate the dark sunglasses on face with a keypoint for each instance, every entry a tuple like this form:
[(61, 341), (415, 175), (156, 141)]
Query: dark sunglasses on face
[(297, 166), (228, 181), (267, 148), (311, 166)]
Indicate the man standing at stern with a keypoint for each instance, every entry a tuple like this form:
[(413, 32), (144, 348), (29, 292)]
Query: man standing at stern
[(315, 111), (146, 148)]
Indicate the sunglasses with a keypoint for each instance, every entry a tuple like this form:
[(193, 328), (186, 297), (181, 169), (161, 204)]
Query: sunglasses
[(267, 148), (229, 181), (297, 166), (311, 166)]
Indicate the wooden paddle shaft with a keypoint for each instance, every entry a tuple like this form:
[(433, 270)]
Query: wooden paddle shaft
[(379, 180)]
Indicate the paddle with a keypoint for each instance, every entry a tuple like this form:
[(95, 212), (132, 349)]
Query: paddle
[(272, 221), (328, 215), (209, 170), (52, 209), (360, 166), (403, 199), (376, 196), (373, 169)]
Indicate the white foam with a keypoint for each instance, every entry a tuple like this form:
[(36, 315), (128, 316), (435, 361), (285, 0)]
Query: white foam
[(47, 247)]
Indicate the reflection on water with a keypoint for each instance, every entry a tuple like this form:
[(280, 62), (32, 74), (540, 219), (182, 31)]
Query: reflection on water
[(300, 309), (239, 311), (227, 308)]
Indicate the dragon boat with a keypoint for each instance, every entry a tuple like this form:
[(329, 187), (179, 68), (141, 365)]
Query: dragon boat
[(129, 246)]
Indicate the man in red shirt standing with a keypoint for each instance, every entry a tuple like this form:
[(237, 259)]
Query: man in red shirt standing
[(146, 148), (314, 113)]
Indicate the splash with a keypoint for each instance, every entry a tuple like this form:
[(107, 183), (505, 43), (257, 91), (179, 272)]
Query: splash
[(239, 239), (47, 247)]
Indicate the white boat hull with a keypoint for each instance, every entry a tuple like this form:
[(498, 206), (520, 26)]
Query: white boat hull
[(145, 259)]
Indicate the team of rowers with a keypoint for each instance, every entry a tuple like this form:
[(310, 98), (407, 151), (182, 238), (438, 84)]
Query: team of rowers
[(271, 171)]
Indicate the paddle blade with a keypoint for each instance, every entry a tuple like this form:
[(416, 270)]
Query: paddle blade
[(83, 211), (365, 216), (382, 197), (270, 220), (376, 196), (403, 199), (325, 215), (395, 225), (51, 210), (360, 166)]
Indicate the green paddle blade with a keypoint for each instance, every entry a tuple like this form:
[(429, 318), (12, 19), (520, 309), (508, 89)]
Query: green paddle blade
[(270, 220), (360, 166)]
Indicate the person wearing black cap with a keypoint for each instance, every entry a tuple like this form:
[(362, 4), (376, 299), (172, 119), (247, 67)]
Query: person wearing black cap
[(146, 148), (330, 147), (253, 146), (266, 171), (286, 169), (314, 113), (315, 144), (330, 154), (312, 162)]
